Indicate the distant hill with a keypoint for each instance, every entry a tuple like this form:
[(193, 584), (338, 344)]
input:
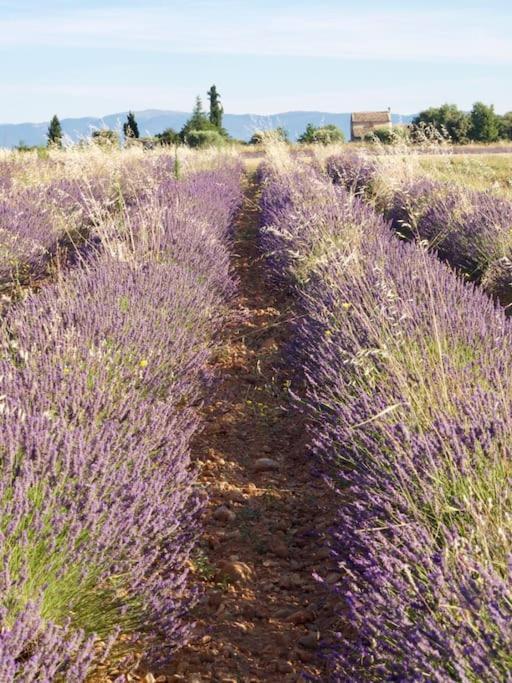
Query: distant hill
[(151, 121)]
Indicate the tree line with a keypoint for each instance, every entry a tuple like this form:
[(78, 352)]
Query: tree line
[(481, 124), (202, 129)]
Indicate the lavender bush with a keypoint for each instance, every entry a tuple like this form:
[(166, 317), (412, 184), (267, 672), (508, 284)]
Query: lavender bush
[(470, 230), (98, 502), (408, 387), (353, 171), (36, 221)]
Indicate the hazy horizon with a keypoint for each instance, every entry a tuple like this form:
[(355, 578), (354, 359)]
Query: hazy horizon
[(187, 112)]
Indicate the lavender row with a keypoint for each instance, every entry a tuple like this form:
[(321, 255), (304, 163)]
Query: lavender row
[(52, 214), (408, 388), (98, 501), (470, 230), (37, 221)]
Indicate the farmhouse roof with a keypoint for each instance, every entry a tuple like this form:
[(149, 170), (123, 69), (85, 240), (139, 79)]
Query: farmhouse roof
[(371, 117)]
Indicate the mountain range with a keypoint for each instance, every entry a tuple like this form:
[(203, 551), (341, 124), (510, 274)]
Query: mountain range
[(151, 121)]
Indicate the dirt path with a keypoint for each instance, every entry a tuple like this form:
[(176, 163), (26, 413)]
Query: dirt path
[(263, 613)]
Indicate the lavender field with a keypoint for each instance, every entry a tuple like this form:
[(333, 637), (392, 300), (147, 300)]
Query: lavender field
[(255, 419)]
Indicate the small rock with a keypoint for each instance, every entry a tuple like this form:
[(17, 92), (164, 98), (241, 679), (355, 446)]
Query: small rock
[(224, 514), (214, 600), (236, 571), (233, 535), (251, 488), (305, 656), (283, 613), (237, 496), (332, 579), (296, 580), (282, 640), (284, 667), (149, 678), (282, 524), (323, 554), (182, 668), (280, 549), (302, 616), (269, 344), (250, 379), (266, 465), (195, 678), (310, 641)]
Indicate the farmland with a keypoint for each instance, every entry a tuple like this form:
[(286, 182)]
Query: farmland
[(256, 415)]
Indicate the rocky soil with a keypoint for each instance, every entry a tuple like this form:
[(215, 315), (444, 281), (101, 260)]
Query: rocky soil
[(263, 616)]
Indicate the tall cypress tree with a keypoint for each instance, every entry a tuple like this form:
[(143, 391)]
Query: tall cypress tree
[(131, 128), (216, 109), (54, 133)]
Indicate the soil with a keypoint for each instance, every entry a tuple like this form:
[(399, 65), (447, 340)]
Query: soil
[(263, 616)]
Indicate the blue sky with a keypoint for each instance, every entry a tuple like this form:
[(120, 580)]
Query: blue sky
[(81, 58)]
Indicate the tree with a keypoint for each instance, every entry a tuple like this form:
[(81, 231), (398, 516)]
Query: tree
[(506, 126), (324, 135), (485, 123), (198, 121), (216, 109), (447, 120), (54, 133), (131, 128), (168, 137)]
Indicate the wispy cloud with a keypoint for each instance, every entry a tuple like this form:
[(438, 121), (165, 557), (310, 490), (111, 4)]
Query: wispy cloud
[(349, 32)]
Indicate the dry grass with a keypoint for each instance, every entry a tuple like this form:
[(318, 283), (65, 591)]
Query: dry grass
[(93, 161)]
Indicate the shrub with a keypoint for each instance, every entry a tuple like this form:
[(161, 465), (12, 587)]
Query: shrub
[(106, 138), (262, 137), (168, 137), (388, 136), (325, 135), (204, 138)]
